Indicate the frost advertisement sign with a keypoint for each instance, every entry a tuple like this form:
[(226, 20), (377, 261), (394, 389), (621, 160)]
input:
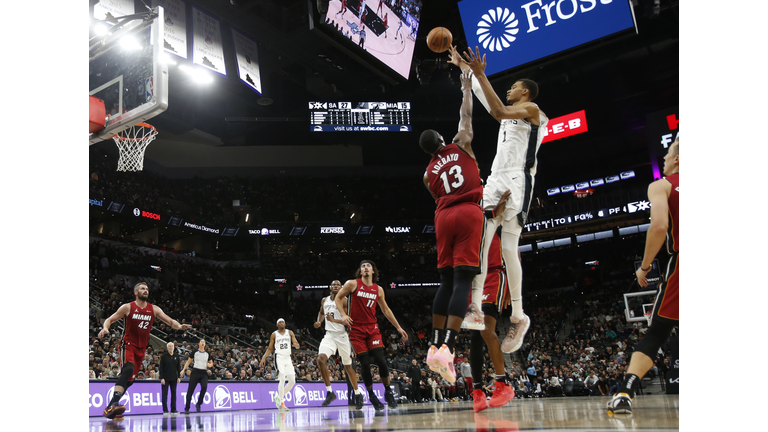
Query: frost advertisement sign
[(145, 397), (515, 32)]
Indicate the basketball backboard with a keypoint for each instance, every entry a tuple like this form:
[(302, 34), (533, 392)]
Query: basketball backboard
[(638, 305), (126, 71)]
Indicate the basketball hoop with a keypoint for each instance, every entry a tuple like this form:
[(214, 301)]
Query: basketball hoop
[(132, 142)]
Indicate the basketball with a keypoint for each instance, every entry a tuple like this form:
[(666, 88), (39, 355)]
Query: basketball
[(439, 39)]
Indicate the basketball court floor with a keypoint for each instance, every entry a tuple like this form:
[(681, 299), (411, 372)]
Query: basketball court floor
[(650, 413)]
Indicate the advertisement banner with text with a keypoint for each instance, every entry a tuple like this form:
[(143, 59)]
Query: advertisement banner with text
[(145, 398)]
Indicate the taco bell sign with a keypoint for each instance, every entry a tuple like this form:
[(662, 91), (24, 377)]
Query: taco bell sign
[(515, 32)]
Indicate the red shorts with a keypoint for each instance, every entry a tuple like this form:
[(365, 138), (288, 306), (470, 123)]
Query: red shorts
[(668, 299), (365, 337), (459, 233), (131, 354), (495, 290)]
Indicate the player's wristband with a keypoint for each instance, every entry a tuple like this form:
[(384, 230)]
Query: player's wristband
[(490, 214), (646, 269)]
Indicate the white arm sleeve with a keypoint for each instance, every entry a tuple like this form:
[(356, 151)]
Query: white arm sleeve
[(478, 91)]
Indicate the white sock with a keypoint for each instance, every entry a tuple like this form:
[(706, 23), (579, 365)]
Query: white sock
[(328, 388), (509, 251), (357, 391)]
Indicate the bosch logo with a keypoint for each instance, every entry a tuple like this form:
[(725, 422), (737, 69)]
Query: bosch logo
[(147, 214), (136, 212)]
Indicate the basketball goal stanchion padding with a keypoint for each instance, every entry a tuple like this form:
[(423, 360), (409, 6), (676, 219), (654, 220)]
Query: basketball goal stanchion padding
[(132, 142)]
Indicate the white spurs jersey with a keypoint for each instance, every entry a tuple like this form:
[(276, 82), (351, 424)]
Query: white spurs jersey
[(282, 343), (517, 145), (329, 307)]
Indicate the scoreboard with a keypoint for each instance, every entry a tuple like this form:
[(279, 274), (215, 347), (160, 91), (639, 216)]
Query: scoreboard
[(360, 117)]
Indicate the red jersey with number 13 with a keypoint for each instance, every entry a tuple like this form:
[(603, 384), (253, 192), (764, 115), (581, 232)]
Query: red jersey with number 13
[(454, 177), (362, 308), (138, 324)]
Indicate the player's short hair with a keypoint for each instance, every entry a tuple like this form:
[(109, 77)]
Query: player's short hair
[(359, 274), (429, 141), (136, 287), (532, 87)]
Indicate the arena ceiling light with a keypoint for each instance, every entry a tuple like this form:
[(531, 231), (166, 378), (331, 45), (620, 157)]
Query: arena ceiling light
[(197, 75)]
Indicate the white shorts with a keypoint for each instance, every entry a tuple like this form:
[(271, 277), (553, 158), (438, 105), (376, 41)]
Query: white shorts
[(284, 365), (333, 341), (497, 184)]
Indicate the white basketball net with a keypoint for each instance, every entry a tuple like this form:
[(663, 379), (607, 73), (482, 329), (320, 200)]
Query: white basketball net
[(132, 142)]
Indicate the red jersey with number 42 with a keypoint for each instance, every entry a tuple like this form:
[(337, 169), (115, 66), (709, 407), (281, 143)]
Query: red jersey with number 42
[(362, 308), (138, 324), (454, 177)]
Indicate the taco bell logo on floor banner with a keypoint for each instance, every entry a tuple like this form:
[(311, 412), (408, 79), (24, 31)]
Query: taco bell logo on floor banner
[(515, 32), (300, 396), (221, 398), (125, 400)]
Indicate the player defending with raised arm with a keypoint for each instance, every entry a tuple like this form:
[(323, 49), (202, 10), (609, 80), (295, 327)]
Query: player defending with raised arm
[(335, 339), (364, 333), (281, 342), (523, 127), (453, 179), (664, 196), (139, 316)]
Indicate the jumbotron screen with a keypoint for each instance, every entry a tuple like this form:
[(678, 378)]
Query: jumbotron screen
[(385, 28), (360, 116)]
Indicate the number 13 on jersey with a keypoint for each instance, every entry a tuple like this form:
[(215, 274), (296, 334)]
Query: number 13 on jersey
[(455, 171)]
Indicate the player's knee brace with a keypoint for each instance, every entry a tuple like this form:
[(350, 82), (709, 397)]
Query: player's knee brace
[(125, 375), (654, 338), (381, 361), (462, 286), (444, 293), (365, 369)]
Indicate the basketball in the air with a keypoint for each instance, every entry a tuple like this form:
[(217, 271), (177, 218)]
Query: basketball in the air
[(439, 39)]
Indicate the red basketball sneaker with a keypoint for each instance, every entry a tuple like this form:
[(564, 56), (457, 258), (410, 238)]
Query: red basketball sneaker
[(501, 395), (480, 402)]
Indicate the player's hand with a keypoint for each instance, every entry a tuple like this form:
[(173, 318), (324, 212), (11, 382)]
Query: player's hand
[(455, 59), (502, 205), (162, 381), (329, 317), (185, 327), (403, 334), (102, 333), (507, 302), (317, 324), (347, 320), (261, 363), (178, 380), (296, 345), (466, 80), (641, 279), (476, 63)]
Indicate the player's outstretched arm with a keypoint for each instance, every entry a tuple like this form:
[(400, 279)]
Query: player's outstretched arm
[(268, 351), (455, 58), (658, 194), (390, 316), (171, 322), (349, 287), (119, 314), (465, 134), (497, 109)]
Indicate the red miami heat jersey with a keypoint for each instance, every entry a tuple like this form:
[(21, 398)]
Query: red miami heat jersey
[(138, 324), (495, 261), (454, 177), (673, 232), (362, 308)]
